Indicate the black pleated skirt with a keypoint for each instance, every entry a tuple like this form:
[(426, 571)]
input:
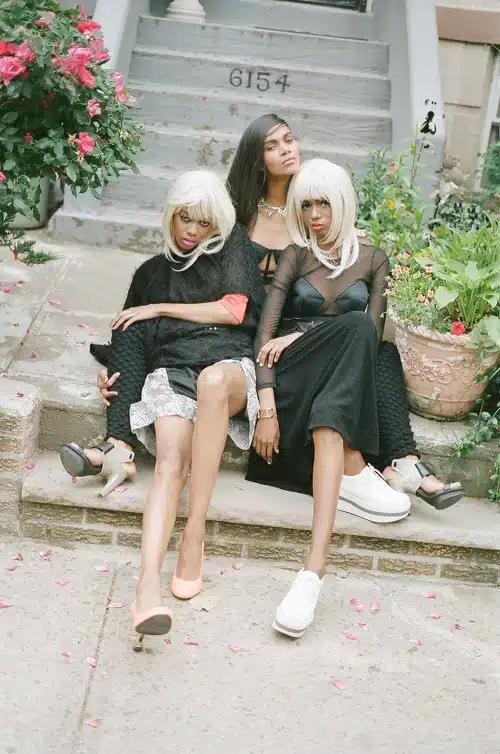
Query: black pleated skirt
[(326, 378)]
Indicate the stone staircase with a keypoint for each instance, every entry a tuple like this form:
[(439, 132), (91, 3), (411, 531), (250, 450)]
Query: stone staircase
[(47, 396), (199, 86)]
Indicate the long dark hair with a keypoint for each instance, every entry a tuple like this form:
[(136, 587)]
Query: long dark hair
[(247, 178)]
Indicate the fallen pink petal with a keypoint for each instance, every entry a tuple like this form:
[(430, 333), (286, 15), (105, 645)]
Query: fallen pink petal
[(115, 605), (102, 569), (354, 601), (418, 642), (351, 636), (18, 557), (191, 643), (5, 289), (223, 572), (62, 582), (19, 395), (53, 302), (341, 685), (91, 661), (4, 604), (364, 626), (73, 479), (81, 343), (238, 565), (457, 627), (11, 568), (31, 465), (359, 608), (82, 325), (435, 616), (374, 607), (430, 596), (67, 655), (20, 282), (93, 723), (238, 648), (121, 488), (47, 555), (167, 641)]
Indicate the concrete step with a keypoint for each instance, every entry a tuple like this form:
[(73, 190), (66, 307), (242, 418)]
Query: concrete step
[(109, 227), (173, 149), (328, 46), (361, 128), (266, 78), (459, 544)]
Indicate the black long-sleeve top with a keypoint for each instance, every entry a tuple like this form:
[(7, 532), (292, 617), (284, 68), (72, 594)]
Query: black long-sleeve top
[(177, 342), (301, 290)]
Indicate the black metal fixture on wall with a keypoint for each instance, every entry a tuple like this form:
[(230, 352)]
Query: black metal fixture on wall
[(359, 5)]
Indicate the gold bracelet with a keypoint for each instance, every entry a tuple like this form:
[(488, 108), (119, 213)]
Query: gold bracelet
[(267, 413)]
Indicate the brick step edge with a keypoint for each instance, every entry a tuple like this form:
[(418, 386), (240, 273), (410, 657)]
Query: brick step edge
[(64, 525)]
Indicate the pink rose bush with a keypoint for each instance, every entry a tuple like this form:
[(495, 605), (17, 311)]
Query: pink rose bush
[(62, 113)]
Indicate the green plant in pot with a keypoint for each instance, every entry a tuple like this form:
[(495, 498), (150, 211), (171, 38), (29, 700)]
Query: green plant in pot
[(61, 113), (445, 308)]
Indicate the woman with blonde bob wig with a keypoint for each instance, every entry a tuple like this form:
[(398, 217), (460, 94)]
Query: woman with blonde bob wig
[(194, 310), (318, 400)]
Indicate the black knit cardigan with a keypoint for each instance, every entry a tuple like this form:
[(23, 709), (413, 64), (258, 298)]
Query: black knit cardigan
[(179, 343)]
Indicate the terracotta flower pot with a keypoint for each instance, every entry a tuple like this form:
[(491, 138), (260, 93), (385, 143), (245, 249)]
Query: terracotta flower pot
[(440, 371)]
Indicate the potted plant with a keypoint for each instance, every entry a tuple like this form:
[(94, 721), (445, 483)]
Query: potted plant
[(445, 308), (61, 113)]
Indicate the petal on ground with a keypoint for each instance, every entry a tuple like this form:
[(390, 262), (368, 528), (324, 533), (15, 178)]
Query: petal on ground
[(342, 685)]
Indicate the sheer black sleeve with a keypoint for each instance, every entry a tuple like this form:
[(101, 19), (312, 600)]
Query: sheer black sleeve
[(377, 302), (285, 275)]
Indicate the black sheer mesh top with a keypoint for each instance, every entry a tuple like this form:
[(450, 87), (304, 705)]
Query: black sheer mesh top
[(302, 290)]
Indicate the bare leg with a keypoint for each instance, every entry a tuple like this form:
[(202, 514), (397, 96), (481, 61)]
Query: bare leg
[(221, 393), (173, 441), (354, 463), (327, 473)]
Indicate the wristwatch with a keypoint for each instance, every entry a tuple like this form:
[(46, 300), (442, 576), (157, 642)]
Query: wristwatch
[(267, 413)]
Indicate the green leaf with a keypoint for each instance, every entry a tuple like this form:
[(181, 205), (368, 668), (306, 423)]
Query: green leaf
[(444, 296), (72, 172), (9, 165), (492, 325), (471, 272), (10, 117)]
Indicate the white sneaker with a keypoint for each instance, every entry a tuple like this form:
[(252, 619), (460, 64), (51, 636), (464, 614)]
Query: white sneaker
[(368, 495), (296, 611)]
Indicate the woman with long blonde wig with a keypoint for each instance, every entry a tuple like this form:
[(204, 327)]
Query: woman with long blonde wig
[(318, 400), (193, 310)]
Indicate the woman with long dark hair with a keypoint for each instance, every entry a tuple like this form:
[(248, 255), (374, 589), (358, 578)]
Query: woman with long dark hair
[(267, 157)]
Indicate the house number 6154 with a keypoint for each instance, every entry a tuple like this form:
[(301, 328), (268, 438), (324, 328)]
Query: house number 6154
[(261, 80)]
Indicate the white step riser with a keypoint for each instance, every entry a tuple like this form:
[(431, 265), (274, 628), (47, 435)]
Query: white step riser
[(209, 112), (175, 151), (281, 21), (211, 74), (97, 230)]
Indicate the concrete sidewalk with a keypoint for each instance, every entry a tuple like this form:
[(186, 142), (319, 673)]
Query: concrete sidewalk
[(244, 689)]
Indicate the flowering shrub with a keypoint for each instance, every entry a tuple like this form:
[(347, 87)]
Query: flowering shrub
[(61, 112), (454, 287)]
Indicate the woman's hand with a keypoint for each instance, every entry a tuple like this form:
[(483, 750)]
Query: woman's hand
[(135, 314), (266, 438), (103, 383), (274, 348)]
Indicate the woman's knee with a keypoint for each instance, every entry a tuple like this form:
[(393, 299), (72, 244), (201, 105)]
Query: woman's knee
[(212, 385), (172, 464)]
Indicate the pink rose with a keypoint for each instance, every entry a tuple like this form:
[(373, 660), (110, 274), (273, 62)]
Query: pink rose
[(120, 88), (7, 48), (28, 138), (10, 68), (84, 26), (93, 108), (25, 53), (99, 52), (85, 142), (2, 177), (86, 78)]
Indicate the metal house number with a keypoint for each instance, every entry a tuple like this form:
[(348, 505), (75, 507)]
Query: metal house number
[(263, 81)]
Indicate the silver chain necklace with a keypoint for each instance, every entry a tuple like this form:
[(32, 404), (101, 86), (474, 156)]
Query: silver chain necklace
[(272, 210)]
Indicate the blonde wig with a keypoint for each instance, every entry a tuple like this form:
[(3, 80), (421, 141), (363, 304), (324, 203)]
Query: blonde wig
[(205, 198), (323, 180)]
